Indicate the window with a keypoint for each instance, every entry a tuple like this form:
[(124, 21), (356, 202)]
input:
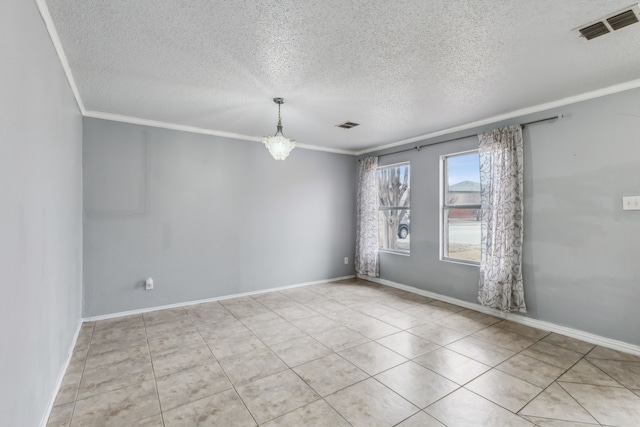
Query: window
[(460, 207), (394, 222)]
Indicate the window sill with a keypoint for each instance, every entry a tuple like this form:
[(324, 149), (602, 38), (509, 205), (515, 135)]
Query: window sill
[(389, 251), (460, 261)]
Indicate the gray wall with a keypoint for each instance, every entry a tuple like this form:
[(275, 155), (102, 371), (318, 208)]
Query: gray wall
[(207, 216), (40, 215), (581, 265)]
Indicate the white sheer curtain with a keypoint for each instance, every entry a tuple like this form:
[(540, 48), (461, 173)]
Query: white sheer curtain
[(367, 259), (501, 188)]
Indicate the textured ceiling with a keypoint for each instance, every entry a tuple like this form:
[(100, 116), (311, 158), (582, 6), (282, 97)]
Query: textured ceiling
[(400, 68)]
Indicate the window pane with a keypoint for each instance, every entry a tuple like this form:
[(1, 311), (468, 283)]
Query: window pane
[(394, 229), (394, 189), (394, 186), (463, 234), (463, 180)]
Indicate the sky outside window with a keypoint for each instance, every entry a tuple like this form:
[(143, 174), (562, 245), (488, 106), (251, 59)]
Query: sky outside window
[(465, 167)]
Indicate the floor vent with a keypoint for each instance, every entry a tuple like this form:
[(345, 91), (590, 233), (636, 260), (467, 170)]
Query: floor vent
[(610, 23), (347, 125)]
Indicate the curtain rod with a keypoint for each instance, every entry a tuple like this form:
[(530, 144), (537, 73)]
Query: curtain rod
[(418, 147)]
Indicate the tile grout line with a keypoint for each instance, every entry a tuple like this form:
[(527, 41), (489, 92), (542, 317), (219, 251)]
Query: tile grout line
[(153, 368), (516, 354), (556, 382), (233, 386), (105, 365), (75, 401), (499, 405), (538, 394), (369, 375), (576, 400), (408, 359), (580, 423), (491, 367), (289, 368), (601, 370), (226, 376), (203, 341)]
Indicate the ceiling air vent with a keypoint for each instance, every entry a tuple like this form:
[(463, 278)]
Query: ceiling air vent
[(596, 30), (347, 125), (622, 20), (610, 23)]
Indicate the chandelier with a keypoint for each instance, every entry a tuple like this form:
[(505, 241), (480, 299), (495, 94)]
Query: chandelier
[(279, 146)]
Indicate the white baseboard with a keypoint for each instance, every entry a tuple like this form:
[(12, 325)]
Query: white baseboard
[(514, 317), (63, 371), (200, 301)]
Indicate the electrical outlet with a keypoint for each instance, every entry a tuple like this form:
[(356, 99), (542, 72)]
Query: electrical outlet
[(346, 260), (631, 203), (148, 284)]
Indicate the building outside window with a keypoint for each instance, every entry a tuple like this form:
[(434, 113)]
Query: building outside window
[(394, 214), (460, 208)]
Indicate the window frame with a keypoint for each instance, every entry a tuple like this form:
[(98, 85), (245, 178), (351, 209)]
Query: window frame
[(403, 252), (444, 238)]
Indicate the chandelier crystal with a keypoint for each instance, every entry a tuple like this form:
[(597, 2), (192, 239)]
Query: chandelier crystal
[(278, 145)]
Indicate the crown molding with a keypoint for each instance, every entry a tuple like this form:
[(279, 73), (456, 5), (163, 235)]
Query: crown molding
[(610, 90), (327, 149), (53, 34), (203, 131), (166, 125)]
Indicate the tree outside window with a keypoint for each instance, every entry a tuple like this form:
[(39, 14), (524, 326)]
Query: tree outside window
[(394, 215)]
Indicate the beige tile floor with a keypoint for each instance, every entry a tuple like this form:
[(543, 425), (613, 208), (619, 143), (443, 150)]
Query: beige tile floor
[(339, 354)]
